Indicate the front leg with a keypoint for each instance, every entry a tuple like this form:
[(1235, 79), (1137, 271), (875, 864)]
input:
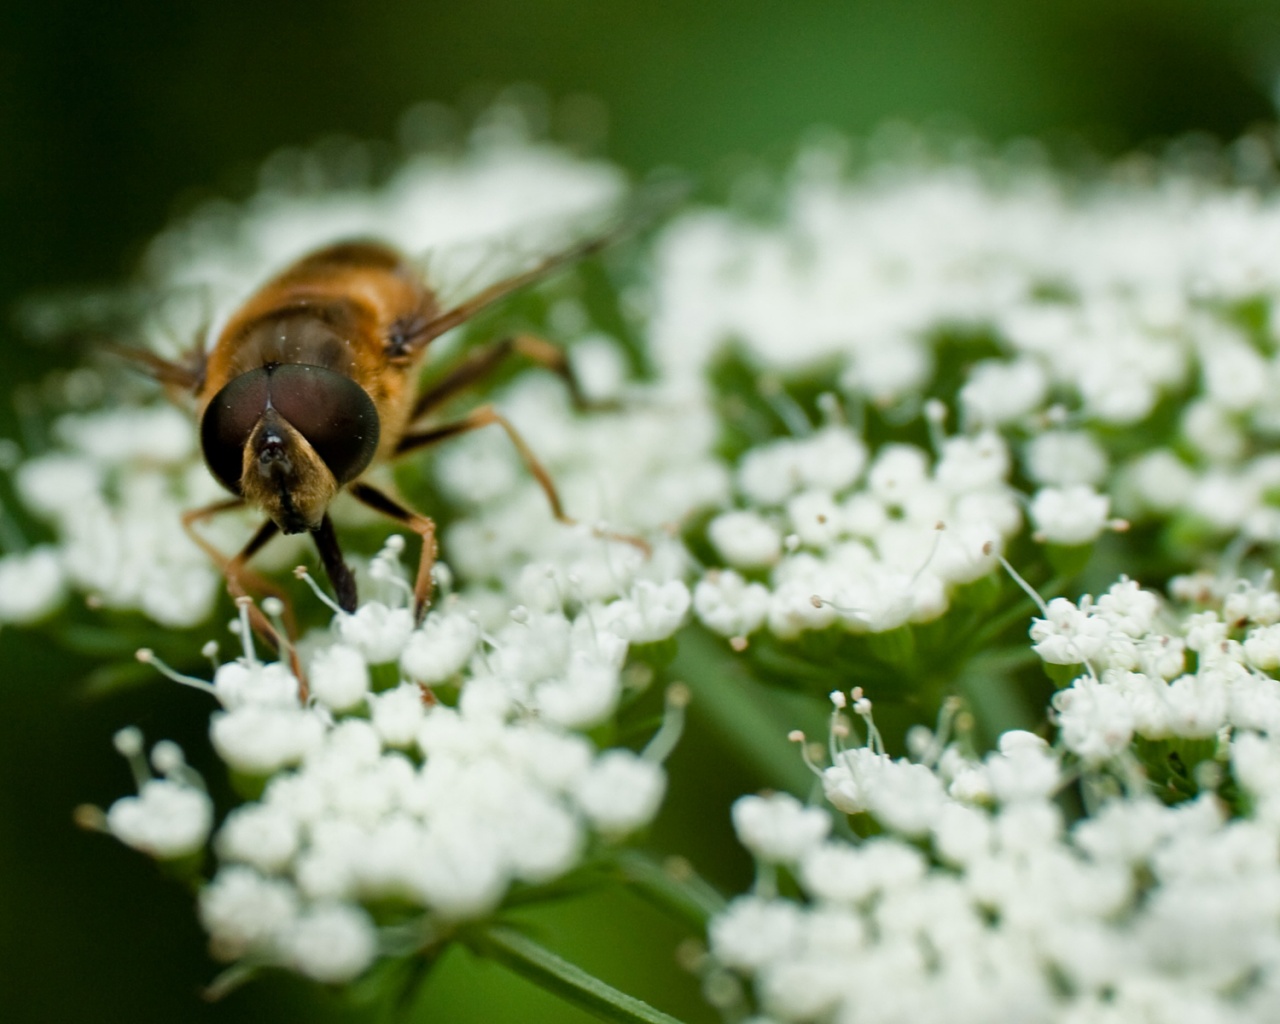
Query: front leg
[(236, 572), (423, 526), (340, 574)]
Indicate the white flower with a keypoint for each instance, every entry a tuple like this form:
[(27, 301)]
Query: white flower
[(847, 783), (778, 829), (441, 648), (244, 912), (260, 740), (1066, 458), (651, 613), (1128, 608), (379, 633), (972, 463), (890, 371), (1070, 515), (752, 932), (1025, 768), (244, 682), (32, 585), (459, 870), (332, 943), (620, 792), (397, 714), (1096, 721), (728, 604), (906, 797), (166, 819), (264, 837), (815, 518), (1160, 480), (998, 392), (830, 459), (897, 473), (1068, 635), (745, 539), (339, 677)]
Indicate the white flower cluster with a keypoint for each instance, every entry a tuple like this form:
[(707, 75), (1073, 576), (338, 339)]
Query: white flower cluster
[(1061, 327), (114, 492), (1065, 318), (979, 902), (871, 543), (394, 797), (1159, 676)]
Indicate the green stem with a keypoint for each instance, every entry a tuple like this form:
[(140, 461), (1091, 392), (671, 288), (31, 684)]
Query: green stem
[(571, 983), (673, 887)]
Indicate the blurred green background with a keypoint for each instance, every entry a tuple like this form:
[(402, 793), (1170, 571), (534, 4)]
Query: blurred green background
[(115, 116)]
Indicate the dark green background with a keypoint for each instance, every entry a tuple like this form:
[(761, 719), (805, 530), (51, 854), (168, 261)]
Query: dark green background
[(115, 115)]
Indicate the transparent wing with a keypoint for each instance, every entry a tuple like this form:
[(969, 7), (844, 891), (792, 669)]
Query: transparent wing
[(470, 277)]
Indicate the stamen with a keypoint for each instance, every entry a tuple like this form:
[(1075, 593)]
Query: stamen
[(128, 744), (149, 657), (796, 736), (818, 601), (168, 759), (1027, 588), (301, 573), (243, 604), (273, 608), (385, 568), (951, 707), (938, 527), (668, 735), (862, 708), (838, 729)]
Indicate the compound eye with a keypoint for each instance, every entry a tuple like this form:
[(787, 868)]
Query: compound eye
[(228, 421), (333, 412)]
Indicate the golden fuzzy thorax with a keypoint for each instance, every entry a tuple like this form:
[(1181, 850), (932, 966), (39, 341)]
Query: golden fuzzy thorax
[(284, 476)]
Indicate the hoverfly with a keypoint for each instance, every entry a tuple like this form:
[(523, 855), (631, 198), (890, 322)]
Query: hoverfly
[(315, 380)]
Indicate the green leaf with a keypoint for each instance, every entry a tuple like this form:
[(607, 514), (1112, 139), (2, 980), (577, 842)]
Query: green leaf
[(571, 983)]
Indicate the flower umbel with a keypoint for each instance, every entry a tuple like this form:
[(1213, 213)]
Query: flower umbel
[(814, 446)]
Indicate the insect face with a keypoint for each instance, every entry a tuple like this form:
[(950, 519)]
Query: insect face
[(287, 436)]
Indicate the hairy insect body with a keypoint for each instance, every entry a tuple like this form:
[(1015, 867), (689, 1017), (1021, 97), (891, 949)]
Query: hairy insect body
[(313, 380), (349, 308)]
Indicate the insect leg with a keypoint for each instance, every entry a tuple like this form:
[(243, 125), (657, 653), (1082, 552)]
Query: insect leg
[(480, 363), (340, 574), (483, 417), (423, 526), (235, 570)]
